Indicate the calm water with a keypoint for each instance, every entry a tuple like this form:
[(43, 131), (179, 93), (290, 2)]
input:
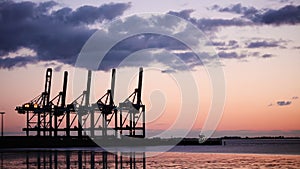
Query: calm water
[(232, 155), (19, 160), (213, 160)]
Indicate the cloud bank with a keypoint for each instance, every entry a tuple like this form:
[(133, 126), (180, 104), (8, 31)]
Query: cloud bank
[(58, 34), (55, 35), (288, 14)]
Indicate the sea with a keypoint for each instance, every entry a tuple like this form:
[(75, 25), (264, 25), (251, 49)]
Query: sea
[(242, 154)]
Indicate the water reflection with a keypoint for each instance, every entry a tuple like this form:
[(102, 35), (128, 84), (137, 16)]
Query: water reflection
[(91, 158), (80, 159)]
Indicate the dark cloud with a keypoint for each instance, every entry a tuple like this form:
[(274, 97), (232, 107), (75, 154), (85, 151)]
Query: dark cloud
[(185, 59), (59, 34), (218, 43), (58, 68), (254, 54), (185, 14), (227, 48), (239, 9), (44, 7), (232, 44), (264, 44), (250, 16), (230, 55), (212, 24), (283, 103), (168, 71), (55, 35), (285, 1), (267, 55), (259, 55), (286, 15), (91, 14), (214, 7), (18, 61), (296, 47)]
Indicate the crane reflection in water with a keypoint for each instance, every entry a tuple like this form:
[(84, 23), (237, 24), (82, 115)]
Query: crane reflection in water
[(80, 159)]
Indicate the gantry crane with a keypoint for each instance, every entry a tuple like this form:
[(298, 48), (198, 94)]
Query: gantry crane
[(46, 117), (38, 110), (108, 109), (62, 112), (81, 107), (132, 112)]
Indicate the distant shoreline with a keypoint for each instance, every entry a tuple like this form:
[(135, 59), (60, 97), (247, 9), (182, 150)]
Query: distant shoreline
[(68, 142)]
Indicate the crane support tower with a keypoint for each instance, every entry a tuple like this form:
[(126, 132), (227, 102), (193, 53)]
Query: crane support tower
[(132, 113)]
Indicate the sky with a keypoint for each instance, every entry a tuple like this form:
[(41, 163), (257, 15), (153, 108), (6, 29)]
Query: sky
[(257, 45)]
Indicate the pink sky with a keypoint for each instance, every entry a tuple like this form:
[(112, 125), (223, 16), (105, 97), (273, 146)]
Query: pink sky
[(254, 82)]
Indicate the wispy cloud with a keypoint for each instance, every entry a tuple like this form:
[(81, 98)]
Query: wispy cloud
[(206, 24), (264, 44), (220, 45), (283, 103), (267, 55), (168, 71), (230, 55)]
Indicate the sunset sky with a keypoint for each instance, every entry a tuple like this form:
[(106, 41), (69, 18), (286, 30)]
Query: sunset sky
[(257, 42)]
